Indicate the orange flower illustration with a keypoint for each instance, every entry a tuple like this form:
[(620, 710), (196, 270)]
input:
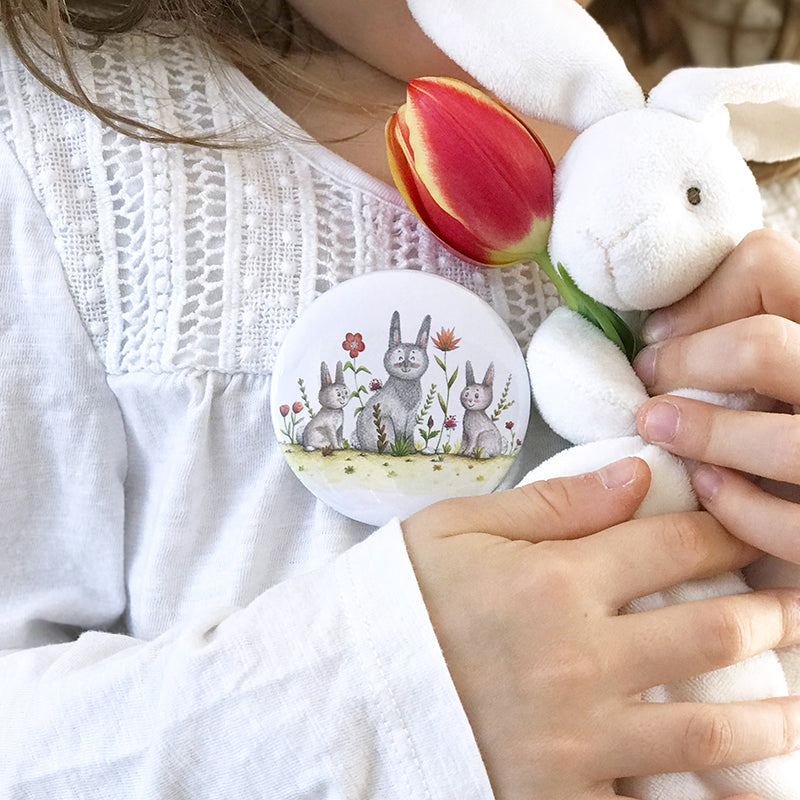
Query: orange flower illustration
[(446, 340)]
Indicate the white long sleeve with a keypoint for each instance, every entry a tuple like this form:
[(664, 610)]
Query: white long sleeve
[(329, 684), (179, 617), (62, 453)]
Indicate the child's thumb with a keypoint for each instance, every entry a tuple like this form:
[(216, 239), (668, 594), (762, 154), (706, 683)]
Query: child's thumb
[(559, 508)]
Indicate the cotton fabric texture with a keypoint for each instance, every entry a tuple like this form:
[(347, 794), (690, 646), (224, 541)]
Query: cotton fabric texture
[(178, 616)]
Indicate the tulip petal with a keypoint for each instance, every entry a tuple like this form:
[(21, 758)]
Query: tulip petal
[(472, 172), (476, 157), (447, 229)]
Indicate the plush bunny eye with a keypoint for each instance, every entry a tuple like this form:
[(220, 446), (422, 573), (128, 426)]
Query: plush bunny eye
[(693, 195)]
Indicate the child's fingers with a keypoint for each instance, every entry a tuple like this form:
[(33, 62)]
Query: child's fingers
[(753, 515), (561, 508), (744, 797), (761, 275), (682, 641), (760, 443), (678, 737), (760, 353), (652, 554), (614, 796)]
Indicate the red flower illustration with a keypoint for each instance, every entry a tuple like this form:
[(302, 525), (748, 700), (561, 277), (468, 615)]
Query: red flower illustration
[(509, 425), (354, 343), (297, 406), (284, 410), (450, 423), (375, 384)]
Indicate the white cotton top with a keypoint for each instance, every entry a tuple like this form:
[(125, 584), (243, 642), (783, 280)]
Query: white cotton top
[(179, 617)]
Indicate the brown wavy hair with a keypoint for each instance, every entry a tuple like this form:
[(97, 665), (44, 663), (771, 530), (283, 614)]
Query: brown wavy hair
[(255, 35)]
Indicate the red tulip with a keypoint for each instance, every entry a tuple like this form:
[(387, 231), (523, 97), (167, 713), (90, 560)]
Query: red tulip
[(472, 172)]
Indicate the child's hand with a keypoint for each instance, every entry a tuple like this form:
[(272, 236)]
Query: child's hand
[(738, 331), (523, 588)]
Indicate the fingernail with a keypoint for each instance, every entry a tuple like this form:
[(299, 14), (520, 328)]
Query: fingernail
[(706, 481), (661, 422), (656, 328), (618, 474), (644, 365)]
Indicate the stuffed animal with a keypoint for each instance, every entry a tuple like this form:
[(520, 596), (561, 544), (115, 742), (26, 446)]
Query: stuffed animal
[(649, 199)]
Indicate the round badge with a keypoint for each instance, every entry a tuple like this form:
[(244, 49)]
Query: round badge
[(397, 389)]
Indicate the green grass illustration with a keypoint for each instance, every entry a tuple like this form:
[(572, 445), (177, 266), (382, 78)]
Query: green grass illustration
[(418, 473)]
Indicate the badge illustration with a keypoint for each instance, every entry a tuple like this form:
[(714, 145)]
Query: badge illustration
[(397, 389)]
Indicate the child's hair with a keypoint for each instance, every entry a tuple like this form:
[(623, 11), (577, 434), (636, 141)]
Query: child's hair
[(255, 35)]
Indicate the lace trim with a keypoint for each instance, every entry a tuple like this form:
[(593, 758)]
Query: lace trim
[(195, 259), (186, 258)]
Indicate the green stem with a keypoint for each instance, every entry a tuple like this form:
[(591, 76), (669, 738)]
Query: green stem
[(605, 318), (446, 402)]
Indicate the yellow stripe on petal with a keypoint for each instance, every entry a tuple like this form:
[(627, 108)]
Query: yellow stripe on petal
[(400, 164)]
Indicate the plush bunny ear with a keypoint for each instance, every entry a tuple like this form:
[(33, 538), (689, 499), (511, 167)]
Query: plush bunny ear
[(762, 104), (546, 58)]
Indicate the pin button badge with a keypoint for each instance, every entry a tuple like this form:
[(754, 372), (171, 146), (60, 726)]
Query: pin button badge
[(397, 389)]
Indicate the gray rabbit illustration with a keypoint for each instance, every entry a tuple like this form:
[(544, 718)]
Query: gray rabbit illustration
[(324, 429), (401, 395), (481, 437)]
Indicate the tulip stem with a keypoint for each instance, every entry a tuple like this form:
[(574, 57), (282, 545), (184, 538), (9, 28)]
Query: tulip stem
[(605, 318)]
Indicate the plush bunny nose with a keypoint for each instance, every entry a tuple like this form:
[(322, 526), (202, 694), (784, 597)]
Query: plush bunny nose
[(607, 244)]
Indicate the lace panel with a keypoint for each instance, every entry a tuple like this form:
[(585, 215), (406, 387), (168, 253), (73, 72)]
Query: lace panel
[(192, 258), (273, 245), (187, 258)]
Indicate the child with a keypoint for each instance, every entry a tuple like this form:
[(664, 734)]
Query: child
[(178, 616)]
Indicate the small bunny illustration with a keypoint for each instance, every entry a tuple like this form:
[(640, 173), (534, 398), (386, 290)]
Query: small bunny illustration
[(324, 429), (481, 437), (400, 396), (651, 196)]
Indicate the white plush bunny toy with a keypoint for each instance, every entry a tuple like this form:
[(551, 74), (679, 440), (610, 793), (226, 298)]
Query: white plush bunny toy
[(649, 199)]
